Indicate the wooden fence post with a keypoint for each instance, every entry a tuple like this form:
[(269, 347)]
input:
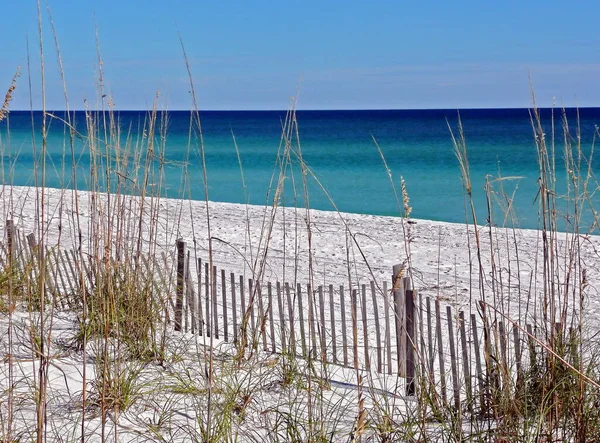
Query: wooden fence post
[(411, 342), (180, 283), (398, 291)]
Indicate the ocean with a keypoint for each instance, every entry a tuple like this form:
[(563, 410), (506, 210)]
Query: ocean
[(338, 146)]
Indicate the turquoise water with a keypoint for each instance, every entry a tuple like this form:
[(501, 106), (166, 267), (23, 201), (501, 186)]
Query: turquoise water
[(338, 146)]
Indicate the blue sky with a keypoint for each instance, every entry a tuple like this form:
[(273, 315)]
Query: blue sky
[(344, 54)]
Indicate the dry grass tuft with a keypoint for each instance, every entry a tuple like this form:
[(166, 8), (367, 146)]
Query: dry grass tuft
[(4, 110)]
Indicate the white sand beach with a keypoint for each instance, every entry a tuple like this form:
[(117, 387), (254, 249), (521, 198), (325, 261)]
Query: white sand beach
[(343, 247), (339, 248)]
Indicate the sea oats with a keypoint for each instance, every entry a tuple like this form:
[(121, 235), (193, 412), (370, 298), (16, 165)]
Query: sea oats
[(8, 97)]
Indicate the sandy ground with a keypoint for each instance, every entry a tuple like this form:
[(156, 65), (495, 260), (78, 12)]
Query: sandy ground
[(294, 246)]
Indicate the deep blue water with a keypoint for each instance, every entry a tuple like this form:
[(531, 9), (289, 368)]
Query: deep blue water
[(339, 148)]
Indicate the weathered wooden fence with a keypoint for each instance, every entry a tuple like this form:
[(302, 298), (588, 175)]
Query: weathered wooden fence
[(463, 357), (360, 327), (69, 273), (460, 356)]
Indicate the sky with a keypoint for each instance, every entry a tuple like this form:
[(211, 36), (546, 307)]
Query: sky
[(333, 54)]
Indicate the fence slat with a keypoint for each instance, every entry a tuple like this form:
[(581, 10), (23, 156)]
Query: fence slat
[(517, 341), (430, 350), (243, 313), (453, 362), (333, 325), (33, 257), (42, 264), (491, 374), (388, 333), (78, 276), (344, 337), (189, 293), (466, 359), (65, 295), (531, 345), (281, 318), (4, 260), (224, 297), (251, 303), (10, 239), (234, 308), (53, 265), (301, 315), (179, 290), (503, 352), (201, 321), (207, 301), (90, 271), (213, 297), (322, 325), (311, 320), (377, 329), (271, 322), (292, 344), (15, 256), (420, 332), (365, 327), (353, 310), (22, 252), (440, 346), (68, 277), (478, 367), (262, 317)]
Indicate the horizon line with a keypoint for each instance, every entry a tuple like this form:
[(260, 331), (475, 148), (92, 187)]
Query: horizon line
[(317, 109)]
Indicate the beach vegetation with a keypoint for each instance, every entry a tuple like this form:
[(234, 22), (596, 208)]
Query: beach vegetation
[(135, 377)]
